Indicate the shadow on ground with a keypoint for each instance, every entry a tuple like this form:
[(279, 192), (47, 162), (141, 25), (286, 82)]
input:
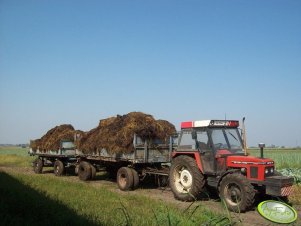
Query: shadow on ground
[(22, 205)]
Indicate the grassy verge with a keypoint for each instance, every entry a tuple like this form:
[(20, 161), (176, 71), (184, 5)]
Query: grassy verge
[(15, 161), (15, 157), (14, 151), (295, 197), (41, 200)]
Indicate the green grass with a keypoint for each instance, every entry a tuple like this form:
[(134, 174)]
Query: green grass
[(14, 151), (43, 200), (15, 157), (284, 158)]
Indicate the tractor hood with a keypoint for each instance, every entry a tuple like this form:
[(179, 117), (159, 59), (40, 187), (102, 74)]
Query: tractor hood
[(233, 161)]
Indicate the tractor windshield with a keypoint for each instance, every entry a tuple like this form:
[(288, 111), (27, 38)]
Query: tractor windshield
[(226, 139)]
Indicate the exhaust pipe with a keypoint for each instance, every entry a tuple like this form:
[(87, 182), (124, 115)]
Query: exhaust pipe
[(261, 146), (244, 136)]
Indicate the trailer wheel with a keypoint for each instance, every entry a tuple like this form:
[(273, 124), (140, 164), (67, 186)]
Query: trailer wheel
[(186, 180), (38, 166), (93, 172), (84, 171), (125, 179), (237, 192), (136, 179), (59, 168)]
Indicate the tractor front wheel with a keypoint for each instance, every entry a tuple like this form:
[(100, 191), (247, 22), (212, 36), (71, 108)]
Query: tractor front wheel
[(237, 192), (186, 180)]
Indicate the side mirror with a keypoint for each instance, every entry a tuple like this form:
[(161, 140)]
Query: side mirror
[(193, 135)]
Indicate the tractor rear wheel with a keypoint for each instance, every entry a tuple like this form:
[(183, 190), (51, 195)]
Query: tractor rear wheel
[(125, 179), (186, 180), (38, 166), (237, 192), (84, 171), (59, 168)]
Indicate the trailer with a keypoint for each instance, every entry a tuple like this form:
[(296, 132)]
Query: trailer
[(150, 157)]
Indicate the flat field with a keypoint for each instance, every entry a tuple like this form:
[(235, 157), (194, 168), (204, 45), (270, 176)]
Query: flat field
[(284, 158)]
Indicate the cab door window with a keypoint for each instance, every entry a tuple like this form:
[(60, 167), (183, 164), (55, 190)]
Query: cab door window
[(219, 140), (202, 141), (186, 141)]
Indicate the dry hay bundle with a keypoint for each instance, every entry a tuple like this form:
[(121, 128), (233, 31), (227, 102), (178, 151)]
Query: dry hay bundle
[(51, 140), (116, 134)]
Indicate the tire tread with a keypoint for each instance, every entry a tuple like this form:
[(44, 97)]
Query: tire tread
[(198, 178), (248, 190)]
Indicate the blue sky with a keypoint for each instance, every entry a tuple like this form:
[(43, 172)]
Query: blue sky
[(80, 61)]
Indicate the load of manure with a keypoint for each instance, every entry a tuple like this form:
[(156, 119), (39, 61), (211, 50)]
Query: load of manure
[(115, 134), (51, 140)]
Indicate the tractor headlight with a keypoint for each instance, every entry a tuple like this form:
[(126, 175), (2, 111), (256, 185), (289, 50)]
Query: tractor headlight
[(269, 171)]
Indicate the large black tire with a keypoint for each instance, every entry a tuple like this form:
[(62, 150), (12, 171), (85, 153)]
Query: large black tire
[(93, 172), (136, 179), (125, 179), (58, 168), (38, 166), (185, 179), (237, 192), (84, 171)]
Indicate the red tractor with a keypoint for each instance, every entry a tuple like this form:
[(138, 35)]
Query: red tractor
[(211, 154)]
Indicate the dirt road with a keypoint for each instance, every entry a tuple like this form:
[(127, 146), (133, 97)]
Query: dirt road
[(165, 195)]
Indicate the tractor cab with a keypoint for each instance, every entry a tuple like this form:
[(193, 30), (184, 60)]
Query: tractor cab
[(213, 140)]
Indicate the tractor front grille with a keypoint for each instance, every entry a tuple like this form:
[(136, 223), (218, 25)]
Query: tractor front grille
[(254, 171)]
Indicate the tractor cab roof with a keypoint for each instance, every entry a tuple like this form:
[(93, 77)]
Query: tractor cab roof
[(210, 123)]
